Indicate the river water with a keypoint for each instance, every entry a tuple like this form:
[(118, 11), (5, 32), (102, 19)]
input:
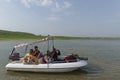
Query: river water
[(103, 61)]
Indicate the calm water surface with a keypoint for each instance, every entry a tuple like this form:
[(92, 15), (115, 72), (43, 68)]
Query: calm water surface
[(103, 63)]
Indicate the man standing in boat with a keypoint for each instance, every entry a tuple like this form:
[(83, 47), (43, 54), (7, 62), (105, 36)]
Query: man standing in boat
[(55, 53)]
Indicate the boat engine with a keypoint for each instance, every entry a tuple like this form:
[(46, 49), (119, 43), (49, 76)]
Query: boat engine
[(14, 56)]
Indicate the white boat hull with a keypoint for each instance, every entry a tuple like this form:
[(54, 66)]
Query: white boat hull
[(52, 67)]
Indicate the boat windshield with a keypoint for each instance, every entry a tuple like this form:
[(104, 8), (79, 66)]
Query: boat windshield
[(23, 48)]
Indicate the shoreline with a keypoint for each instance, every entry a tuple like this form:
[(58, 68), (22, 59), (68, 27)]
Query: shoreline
[(61, 38)]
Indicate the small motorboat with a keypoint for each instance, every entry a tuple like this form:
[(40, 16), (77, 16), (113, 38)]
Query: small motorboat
[(17, 64), (49, 67)]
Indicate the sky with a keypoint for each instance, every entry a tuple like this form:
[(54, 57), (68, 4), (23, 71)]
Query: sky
[(81, 18)]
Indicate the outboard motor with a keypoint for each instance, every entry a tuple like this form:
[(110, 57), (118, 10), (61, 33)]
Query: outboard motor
[(14, 56)]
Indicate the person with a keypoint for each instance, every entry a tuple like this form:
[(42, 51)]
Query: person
[(55, 54), (46, 58), (30, 58), (37, 52)]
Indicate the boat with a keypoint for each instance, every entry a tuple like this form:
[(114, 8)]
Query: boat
[(16, 63)]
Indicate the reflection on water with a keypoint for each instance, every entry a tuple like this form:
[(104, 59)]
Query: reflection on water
[(75, 75), (103, 61)]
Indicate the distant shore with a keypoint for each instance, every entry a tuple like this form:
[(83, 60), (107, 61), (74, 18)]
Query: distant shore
[(11, 35), (59, 38)]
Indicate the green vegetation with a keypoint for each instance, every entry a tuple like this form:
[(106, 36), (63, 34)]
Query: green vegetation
[(85, 38), (66, 38), (10, 35)]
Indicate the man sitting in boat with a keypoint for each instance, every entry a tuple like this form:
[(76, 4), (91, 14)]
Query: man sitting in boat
[(55, 54), (46, 58), (30, 58), (71, 58), (37, 52)]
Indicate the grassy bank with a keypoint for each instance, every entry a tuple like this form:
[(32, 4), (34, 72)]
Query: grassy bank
[(10, 35)]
